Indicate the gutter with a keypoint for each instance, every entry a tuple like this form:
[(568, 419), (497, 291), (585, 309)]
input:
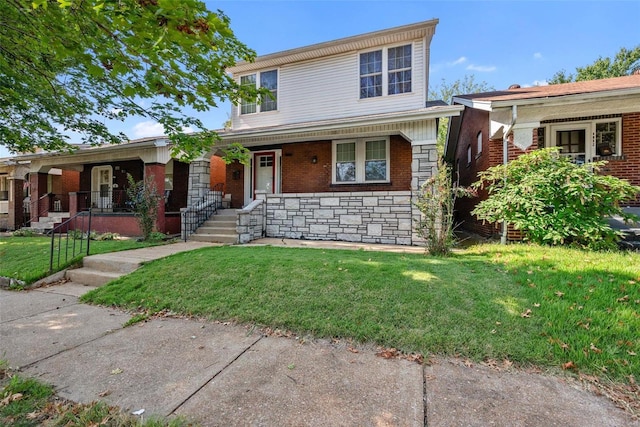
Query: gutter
[(505, 160)]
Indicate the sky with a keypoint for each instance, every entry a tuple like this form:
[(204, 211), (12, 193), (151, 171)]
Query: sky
[(497, 42)]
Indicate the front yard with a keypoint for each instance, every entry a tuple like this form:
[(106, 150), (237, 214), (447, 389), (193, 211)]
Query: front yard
[(27, 258), (554, 308)]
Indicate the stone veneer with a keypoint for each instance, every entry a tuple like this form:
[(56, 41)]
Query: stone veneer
[(368, 217)]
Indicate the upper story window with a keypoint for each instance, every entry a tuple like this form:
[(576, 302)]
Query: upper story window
[(371, 74), (268, 80), (479, 143), (361, 161), (385, 71), (399, 69)]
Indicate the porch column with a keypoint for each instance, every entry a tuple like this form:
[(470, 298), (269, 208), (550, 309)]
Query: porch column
[(199, 177), (157, 171), (424, 165), (16, 210), (38, 187)]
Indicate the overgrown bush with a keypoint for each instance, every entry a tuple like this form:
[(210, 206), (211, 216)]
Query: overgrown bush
[(436, 201), (24, 232), (144, 199), (555, 201)]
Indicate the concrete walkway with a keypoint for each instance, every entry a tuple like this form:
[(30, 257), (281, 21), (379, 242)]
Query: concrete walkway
[(227, 375)]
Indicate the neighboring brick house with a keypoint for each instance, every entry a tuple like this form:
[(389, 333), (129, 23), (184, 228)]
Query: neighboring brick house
[(339, 150), (590, 120)]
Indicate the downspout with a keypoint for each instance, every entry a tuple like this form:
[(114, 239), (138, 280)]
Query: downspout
[(505, 160)]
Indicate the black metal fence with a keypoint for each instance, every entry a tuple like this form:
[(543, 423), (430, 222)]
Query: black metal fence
[(69, 240), (104, 201), (200, 210)]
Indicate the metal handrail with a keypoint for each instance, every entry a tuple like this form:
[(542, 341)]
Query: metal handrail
[(197, 213), (104, 201), (74, 234)]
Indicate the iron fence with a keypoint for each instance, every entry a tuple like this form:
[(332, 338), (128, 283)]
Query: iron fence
[(69, 240)]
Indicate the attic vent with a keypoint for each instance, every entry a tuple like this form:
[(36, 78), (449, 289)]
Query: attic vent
[(514, 86)]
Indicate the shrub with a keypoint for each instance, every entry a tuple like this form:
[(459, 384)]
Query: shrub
[(555, 201), (435, 201), (144, 198)]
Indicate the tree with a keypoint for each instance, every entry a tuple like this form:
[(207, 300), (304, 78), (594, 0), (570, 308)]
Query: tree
[(555, 201), (626, 62), (67, 65), (446, 91)]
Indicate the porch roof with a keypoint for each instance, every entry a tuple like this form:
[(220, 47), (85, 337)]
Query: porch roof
[(565, 93), (336, 128)]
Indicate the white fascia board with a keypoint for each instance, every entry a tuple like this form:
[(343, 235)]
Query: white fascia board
[(398, 117), (548, 101)]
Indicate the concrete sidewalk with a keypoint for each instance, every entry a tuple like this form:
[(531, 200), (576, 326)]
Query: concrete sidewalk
[(221, 374)]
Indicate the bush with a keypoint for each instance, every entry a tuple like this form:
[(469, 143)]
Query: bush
[(555, 201), (145, 198), (435, 201)]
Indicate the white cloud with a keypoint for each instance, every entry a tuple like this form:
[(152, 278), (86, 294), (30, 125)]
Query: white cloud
[(151, 128), (482, 68), (148, 128), (537, 55), (458, 61)]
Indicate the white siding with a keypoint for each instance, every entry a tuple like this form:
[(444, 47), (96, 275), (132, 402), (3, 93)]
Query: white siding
[(329, 89)]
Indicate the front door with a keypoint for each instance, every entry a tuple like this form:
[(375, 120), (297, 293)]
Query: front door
[(101, 182), (264, 171)]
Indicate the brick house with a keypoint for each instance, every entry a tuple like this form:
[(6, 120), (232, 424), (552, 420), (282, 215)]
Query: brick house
[(61, 184), (344, 142), (590, 120)]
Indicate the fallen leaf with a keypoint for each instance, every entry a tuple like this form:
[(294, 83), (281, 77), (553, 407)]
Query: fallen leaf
[(569, 365), (291, 366), (536, 305), (623, 299), (631, 353), (116, 371), (559, 294), (138, 412), (468, 363), (594, 349), (527, 313), (353, 350), (104, 393)]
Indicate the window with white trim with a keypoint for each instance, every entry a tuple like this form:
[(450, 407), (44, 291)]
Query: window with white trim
[(360, 161), (386, 71), (469, 155), (582, 141), (479, 143), (266, 79)]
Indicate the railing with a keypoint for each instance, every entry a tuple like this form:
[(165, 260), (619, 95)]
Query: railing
[(70, 239), (104, 201), (197, 213)]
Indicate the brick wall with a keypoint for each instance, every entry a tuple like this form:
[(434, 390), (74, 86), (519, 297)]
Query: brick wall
[(628, 167), (218, 171), (300, 175)]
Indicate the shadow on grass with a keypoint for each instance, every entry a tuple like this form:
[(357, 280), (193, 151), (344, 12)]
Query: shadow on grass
[(528, 304)]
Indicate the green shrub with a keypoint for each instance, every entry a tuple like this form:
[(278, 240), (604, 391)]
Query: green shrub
[(24, 232), (555, 201)]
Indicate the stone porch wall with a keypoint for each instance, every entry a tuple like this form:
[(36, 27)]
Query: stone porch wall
[(251, 220), (368, 217)]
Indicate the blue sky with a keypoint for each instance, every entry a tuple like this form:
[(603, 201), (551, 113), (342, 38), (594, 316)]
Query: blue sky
[(498, 42)]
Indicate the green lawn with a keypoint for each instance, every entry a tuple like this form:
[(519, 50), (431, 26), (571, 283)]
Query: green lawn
[(532, 305), (27, 258)]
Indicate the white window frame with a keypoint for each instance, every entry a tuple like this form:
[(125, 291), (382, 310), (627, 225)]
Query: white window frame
[(479, 137), (257, 75), (361, 144), (589, 127), (385, 70)]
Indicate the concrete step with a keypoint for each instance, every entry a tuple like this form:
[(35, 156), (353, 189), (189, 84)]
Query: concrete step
[(219, 223), (109, 264), (91, 277), (217, 230), (214, 238)]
